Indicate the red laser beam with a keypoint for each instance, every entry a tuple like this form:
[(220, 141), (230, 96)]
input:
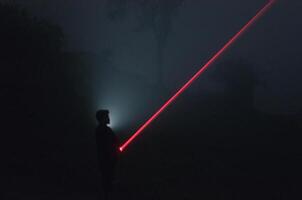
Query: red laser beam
[(199, 72)]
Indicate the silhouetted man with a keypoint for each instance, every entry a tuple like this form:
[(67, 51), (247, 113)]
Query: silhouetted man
[(107, 147)]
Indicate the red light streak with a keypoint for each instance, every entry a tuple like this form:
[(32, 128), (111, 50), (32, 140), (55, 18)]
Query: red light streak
[(199, 72)]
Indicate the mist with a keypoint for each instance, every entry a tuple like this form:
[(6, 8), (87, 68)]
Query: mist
[(63, 60)]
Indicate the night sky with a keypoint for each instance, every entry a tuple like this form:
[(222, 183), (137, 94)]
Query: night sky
[(234, 134), (198, 29)]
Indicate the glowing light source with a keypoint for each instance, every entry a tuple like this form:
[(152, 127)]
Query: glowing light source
[(199, 72)]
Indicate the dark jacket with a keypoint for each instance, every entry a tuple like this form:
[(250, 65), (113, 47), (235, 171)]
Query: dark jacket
[(107, 146)]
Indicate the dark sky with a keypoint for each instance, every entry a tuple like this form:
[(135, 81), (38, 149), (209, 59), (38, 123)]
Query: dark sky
[(198, 30)]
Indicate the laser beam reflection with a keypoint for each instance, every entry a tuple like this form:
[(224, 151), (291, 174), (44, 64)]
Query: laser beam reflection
[(199, 72)]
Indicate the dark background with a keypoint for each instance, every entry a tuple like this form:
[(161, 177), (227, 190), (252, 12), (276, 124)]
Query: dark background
[(234, 134)]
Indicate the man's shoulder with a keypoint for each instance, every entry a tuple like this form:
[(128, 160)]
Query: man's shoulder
[(109, 129), (103, 129)]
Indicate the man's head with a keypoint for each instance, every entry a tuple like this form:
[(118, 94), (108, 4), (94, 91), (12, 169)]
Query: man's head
[(103, 117)]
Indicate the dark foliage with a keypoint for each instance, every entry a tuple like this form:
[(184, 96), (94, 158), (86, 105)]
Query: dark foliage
[(45, 112)]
